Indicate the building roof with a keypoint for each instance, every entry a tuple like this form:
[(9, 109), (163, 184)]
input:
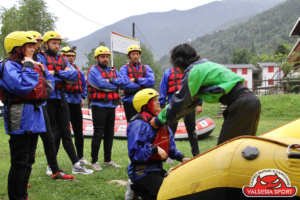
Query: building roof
[(296, 29), (266, 64), (240, 66)]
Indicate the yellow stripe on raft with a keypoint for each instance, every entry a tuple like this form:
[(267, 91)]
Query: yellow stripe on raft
[(289, 130)]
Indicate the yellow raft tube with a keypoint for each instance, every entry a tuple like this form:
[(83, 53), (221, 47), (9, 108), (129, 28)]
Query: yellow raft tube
[(223, 171)]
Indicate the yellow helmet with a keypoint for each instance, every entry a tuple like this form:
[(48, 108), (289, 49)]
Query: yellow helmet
[(102, 50), (142, 97), (134, 48), (18, 39), (51, 35), (67, 51), (37, 35)]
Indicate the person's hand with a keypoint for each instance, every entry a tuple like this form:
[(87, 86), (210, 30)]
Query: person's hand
[(185, 159), (107, 80), (153, 123), (67, 69), (40, 65), (199, 109), (27, 59), (82, 103), (51, 72), (132, 80), (162, 153)]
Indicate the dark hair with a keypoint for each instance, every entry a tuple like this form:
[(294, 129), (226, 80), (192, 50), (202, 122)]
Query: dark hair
[(183, 55), (16, 54)]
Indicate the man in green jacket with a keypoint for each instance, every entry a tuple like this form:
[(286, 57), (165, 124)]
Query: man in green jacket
[(213, 83)]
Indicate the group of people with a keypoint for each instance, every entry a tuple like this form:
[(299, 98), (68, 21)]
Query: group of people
[(43, 91)]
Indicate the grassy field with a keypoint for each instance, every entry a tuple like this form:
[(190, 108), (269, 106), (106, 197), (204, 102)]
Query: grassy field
[(276, 111)]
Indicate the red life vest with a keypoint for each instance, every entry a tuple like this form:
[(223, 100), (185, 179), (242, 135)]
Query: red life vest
[(133, 73), (75, 87), (95, 94), (52, 65), (162, 138), (174, 83), (37, 94)]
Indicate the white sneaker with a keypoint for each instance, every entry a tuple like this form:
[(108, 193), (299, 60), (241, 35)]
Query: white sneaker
[(111, 164), (129, 195), (84, 161), (96, 167), (48, 171), (81, 170)]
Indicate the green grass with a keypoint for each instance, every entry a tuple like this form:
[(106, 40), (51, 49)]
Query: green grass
[(284, 108)]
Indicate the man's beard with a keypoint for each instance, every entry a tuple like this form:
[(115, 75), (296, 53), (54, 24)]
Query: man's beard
[(37, 51), (135, 62), (104, 63)]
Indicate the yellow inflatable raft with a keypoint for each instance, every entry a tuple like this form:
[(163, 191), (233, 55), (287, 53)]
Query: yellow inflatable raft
[(241, 168)]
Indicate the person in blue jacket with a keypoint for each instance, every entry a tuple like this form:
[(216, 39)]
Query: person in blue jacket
[(23, 90), (76, 94), (103, 82), (171, 83), (57, 107), (140, 76), (47, 137), (148, 147)]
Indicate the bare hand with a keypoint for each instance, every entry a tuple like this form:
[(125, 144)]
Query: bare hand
[(82, 103), (107, 80), (51, 72), (153, 123), (67, 69), (132, 80), (199, 109), (27, 59), (162, 153), (185, 159)]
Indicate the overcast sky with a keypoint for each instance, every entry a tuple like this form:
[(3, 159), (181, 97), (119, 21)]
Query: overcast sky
[(107, 12)]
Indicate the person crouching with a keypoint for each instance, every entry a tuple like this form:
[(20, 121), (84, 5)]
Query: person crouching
[(148, 147)]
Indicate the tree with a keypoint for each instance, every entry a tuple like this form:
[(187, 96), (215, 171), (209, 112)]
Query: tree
[(241, 56), (30, 15)]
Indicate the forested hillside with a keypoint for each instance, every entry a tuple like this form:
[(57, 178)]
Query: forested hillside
[(260, 34), (163, 30)]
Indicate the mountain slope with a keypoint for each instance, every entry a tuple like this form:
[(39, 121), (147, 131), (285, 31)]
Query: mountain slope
[(260, 34), (166, 29)]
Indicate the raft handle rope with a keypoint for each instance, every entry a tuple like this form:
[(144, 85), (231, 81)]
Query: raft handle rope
[(293, 155)]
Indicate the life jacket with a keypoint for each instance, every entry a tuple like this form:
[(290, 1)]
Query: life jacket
[(102, 94), (37, 95), (133, 73), (162, 137), (174, 82), (52, 65), (75, 87)]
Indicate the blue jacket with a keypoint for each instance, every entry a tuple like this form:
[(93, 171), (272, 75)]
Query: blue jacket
[(147, 82), (20, 82), (77, 98), (140, 134), (96, 79), (70, 75), (163, 89)]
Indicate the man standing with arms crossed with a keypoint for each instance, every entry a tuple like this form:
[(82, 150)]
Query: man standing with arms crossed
[(103, 83), (58, 110), (140, 76), (171, 83), (47, 137)]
